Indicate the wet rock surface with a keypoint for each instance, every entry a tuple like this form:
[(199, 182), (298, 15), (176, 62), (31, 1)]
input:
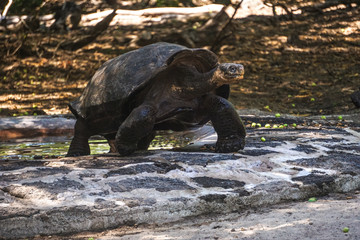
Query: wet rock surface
[(98, 192)]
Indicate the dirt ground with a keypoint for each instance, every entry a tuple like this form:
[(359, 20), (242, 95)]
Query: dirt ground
[(306, 66)]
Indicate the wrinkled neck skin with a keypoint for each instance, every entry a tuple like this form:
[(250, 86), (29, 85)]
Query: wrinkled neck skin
[(182, 84)]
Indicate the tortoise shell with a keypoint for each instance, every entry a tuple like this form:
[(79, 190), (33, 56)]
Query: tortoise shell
[(122, 77)]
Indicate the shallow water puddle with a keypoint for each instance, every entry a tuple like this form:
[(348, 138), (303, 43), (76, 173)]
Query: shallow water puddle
[(40, 148), (54, 147)]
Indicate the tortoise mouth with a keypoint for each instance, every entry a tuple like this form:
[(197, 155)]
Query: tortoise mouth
[(234, 75)]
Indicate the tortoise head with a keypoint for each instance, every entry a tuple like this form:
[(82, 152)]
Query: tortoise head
[(228, 73)]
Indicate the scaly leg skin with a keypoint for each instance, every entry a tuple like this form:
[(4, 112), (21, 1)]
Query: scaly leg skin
[(144, 143), (227, 124), (79, 145), (137, 126)]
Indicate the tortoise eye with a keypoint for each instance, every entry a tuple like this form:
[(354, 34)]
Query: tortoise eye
[(232, 69)]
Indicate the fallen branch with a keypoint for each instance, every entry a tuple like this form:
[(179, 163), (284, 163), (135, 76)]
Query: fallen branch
[(152, 12), (100, 27), (130, 17), (221, 36), (6, 9)]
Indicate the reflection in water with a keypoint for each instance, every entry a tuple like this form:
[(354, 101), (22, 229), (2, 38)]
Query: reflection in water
[(54, 147)]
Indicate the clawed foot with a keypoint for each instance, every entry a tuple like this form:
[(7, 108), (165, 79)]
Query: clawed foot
[(76, 154), (230, 144), (125, 149), (77, 149)]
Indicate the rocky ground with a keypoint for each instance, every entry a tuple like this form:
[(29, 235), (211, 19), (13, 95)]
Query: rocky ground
[(160, 194), (325, 219)]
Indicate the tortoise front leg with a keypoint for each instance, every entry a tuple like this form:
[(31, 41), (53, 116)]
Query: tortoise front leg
[(227, 124), (144, 143), (137, 126), (79, 145)]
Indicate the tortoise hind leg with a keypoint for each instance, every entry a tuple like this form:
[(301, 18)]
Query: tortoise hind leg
[(138, 126), (79, 145)]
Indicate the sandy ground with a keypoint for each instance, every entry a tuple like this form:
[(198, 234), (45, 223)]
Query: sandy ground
[(324, 219)]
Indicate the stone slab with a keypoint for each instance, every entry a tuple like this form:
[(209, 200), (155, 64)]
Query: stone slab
[(324, 219), (98, 192)]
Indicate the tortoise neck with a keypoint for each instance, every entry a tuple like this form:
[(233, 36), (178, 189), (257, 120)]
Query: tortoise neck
[(194, 83)]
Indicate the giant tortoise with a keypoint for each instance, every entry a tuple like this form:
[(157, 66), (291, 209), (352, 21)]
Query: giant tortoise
[(161, 86)]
